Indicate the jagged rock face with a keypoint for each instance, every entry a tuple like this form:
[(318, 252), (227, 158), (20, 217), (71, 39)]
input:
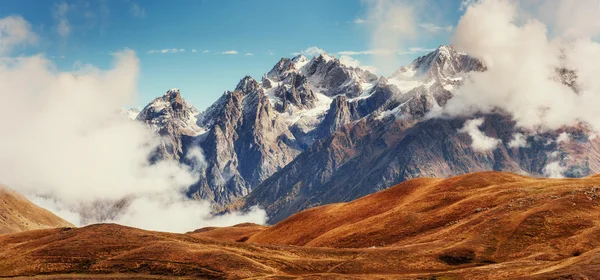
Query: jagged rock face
[(370, 155), (171, 117), (253, 131), (334, 78), (245, 144), (284, 65), (340, 113), (295, 91)]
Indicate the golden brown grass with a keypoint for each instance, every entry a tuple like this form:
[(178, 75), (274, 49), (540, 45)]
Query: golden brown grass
[(19, 214), (486, 225)]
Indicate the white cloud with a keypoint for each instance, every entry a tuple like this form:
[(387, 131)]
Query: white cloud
[(521, 58), (365, 52), (554, 170), (432, 28), (230, 52), (415, 50), (563, 138), (193, 50), (480, 141), (311, 51), (270, 52), (349, 61), (15, 31), (67, 148), (353, 62), (464, 4), (249, 54), (518, 141), (206, 51), (359, 21), (393, 24), (60, 15), (138, 11), (163, 51)]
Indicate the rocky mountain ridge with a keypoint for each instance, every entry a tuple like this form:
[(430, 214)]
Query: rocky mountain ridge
[(316, 131)]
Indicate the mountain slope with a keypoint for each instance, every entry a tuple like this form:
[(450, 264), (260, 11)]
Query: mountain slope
[(19, 214), (259, 127), (486, 225), (172, 118), (368, 156)]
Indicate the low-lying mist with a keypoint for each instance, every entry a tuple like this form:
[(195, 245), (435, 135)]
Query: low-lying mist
[(66, 146)]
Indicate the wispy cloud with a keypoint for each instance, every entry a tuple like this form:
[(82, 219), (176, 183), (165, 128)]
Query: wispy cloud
[(249, 54), (432, 28), (311, 51), (466, 3), (365, 52), (270, 52), (60, 16), (193, 50), (359, 21), (173, 50), (206, 51), (415, 50), (353, 62), (138, 11), (15, 31), (230, 52)]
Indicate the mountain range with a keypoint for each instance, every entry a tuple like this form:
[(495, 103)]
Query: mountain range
[(317, 131)]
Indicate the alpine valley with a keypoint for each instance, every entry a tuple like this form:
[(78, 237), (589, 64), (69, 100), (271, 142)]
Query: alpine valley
[(315, 131)]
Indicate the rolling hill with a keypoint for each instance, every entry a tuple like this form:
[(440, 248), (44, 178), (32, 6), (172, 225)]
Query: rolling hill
[(19, 214), (487, 225)]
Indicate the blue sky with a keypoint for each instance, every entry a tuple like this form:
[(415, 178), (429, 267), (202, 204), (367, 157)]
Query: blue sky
[(88, 31)]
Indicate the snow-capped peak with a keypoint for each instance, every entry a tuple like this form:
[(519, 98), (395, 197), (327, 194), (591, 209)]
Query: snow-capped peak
[(247, 84), (170, 108), (443, 62), (326, 57), (299, 61)]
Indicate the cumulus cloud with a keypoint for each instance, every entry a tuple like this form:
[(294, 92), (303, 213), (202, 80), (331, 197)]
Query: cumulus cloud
[(554, 170), (249, 54), (230, 52), (66, 147), (14, 32), (62, 22), (311, 51), (480, 141), (518, 141), (522, 59)]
